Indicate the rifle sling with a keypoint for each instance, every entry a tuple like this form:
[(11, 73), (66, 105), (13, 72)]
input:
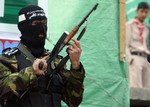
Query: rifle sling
[(25, 51)]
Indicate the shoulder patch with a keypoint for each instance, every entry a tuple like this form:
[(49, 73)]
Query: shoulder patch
[(10, 51)]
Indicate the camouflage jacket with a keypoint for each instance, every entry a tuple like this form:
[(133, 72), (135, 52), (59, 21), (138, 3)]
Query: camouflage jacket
[(12, 80)]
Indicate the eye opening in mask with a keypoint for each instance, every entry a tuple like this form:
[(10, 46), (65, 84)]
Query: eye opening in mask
[(37, 22)]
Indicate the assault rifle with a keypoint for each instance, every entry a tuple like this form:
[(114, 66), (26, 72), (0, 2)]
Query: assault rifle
[(63, 41)]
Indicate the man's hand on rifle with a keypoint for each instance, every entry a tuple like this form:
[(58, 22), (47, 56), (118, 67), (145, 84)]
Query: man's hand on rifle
[(35, 65), (74, 51)]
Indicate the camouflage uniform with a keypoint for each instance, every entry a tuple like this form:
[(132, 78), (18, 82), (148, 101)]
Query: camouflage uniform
[(17, 85)]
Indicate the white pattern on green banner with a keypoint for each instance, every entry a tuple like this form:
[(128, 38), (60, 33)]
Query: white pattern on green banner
[(1, 8)]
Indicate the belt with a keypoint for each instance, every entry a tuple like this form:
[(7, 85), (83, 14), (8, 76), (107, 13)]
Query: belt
[(139, 54)]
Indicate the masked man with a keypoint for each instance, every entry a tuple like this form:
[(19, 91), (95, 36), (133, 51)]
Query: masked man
[(23, 83)]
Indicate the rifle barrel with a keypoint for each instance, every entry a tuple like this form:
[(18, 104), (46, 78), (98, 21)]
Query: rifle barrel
[(76, 28), (84, 19)]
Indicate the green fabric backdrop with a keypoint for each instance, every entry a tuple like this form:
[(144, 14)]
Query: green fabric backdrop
[(106, 82)]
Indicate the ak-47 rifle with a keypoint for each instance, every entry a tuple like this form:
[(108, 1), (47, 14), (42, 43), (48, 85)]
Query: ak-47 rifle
[(64, 39)]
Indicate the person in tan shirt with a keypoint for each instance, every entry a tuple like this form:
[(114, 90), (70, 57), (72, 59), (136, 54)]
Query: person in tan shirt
[(137, 48)]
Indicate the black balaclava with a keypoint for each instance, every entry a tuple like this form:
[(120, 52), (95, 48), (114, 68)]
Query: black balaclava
[(30, 34)]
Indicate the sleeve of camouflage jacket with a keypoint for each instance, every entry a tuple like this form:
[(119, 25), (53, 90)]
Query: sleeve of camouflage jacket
[(11, 80), (73, 91)]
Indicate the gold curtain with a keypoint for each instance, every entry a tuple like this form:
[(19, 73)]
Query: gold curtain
[(122, 29)]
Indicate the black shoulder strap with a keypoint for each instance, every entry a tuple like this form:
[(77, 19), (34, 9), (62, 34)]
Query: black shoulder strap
[(25, 51)]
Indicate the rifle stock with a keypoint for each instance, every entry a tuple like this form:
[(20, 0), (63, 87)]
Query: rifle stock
[(71, 34)]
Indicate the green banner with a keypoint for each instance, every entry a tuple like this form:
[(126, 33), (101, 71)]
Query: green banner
[(11, 9)]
